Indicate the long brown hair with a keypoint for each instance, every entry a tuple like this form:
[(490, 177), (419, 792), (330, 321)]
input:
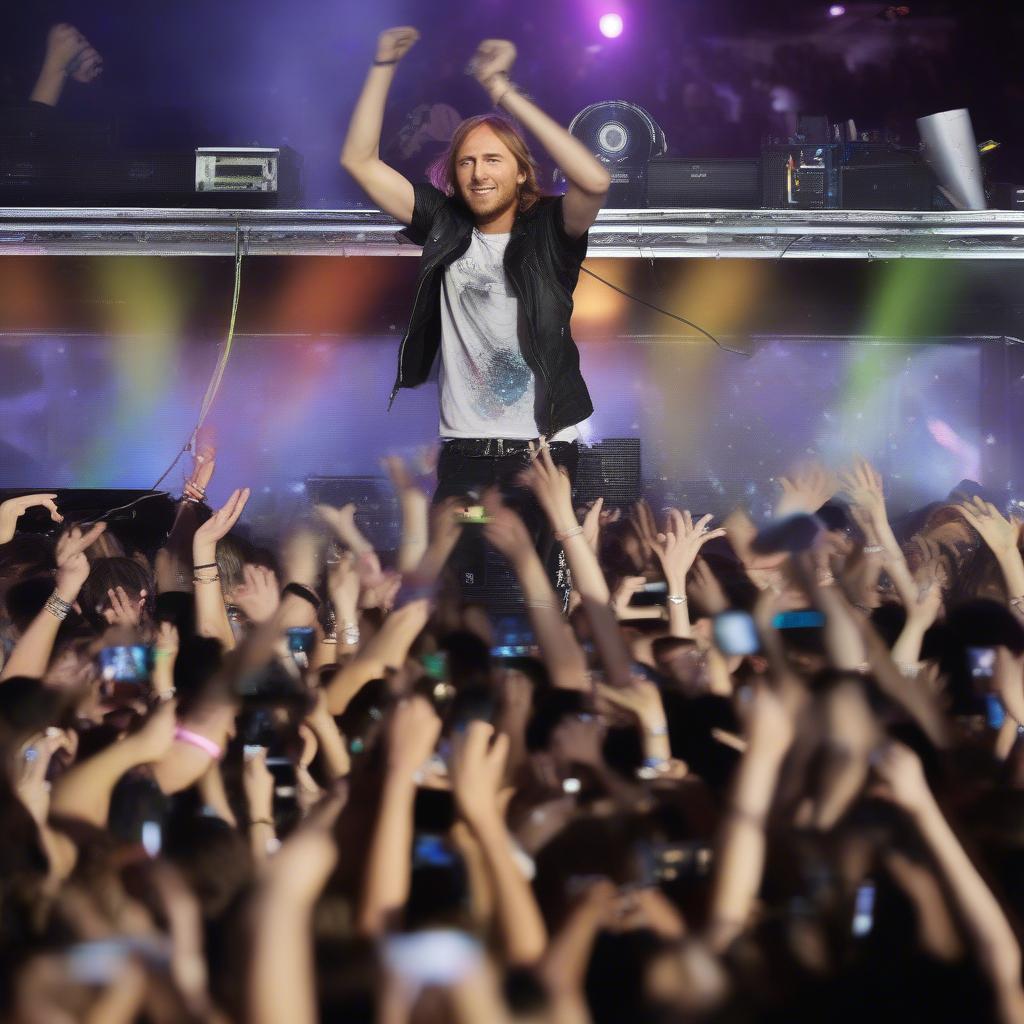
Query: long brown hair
[(442, 171)]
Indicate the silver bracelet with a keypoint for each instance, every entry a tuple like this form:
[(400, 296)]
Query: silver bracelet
[(676, 599), (573, 531), (57, 606), (350, 633)]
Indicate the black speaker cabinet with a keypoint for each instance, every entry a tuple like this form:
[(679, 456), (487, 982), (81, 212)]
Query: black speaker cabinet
[(878, 176), (713, 183)]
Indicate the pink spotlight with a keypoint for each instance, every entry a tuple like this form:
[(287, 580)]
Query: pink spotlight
[(610, 25), (836, 11)]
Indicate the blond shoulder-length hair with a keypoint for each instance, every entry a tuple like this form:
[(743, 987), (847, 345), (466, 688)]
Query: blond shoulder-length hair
[(442, 172)]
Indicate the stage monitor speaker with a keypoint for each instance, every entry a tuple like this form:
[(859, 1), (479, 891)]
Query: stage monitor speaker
[(628, 190), (217, 179), (878, 176), (610, 469), (795, 176), (377, 514), (711, 183)]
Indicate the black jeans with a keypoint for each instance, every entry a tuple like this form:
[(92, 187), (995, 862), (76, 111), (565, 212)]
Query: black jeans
[(461, 475)]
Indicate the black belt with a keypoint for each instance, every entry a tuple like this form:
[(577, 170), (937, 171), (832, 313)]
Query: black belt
[(495, 447)]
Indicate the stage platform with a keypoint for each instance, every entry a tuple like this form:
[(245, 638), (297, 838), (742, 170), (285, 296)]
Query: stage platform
[(642, 234)]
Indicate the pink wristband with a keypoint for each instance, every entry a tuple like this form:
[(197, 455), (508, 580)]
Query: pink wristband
[(204, 744)]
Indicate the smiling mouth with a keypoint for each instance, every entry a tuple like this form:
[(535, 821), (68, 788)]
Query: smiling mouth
[(482, 191)]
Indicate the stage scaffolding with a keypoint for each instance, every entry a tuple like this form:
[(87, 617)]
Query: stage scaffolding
[(643, 234)]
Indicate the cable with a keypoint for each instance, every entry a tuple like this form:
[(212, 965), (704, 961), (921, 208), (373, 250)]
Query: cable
[(790, 244), (208, 399), (218, 373), (665, 312)]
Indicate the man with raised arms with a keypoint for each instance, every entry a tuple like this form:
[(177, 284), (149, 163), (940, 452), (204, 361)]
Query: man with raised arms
[(494, 294)]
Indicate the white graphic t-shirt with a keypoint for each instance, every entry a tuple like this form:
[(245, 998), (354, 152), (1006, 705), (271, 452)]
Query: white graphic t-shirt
[(486, 387)]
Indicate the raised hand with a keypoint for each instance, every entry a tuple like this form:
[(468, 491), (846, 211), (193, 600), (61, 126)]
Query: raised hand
[(342, 522), (72, 565), (70, 53), (646, 528), (413, 730), (445, 526), (641, 698), (399, 475), (259, 594), (623, 593), (381, 593), (492, 62), (30, 771), (477, 771), (806, 489), (930, 577), (677, 548), (343, 586), (299, 870), (863, 485), (1000, 534), (551, 487), (218, 525), (14, 508), (258, 785), (202, 471), (902, 776), (154, 740), (506, 531), (165, 653), (124, 611), (167, 642), (395, 43), (705, 588)]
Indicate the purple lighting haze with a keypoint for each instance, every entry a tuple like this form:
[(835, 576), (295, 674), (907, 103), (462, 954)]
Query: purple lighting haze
[(836, 11), (610, 25)]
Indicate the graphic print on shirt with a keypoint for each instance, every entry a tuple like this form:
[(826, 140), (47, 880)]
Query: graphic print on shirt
[(487, 384)]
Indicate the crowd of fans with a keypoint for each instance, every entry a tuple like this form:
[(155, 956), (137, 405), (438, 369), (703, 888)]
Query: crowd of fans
[(311, 783)]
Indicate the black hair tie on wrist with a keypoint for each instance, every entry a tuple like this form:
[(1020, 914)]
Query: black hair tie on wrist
[(384, 63), (304, 592)]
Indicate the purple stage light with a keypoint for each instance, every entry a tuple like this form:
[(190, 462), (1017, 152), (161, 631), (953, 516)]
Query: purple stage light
[(836, 11), (610, 25)]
